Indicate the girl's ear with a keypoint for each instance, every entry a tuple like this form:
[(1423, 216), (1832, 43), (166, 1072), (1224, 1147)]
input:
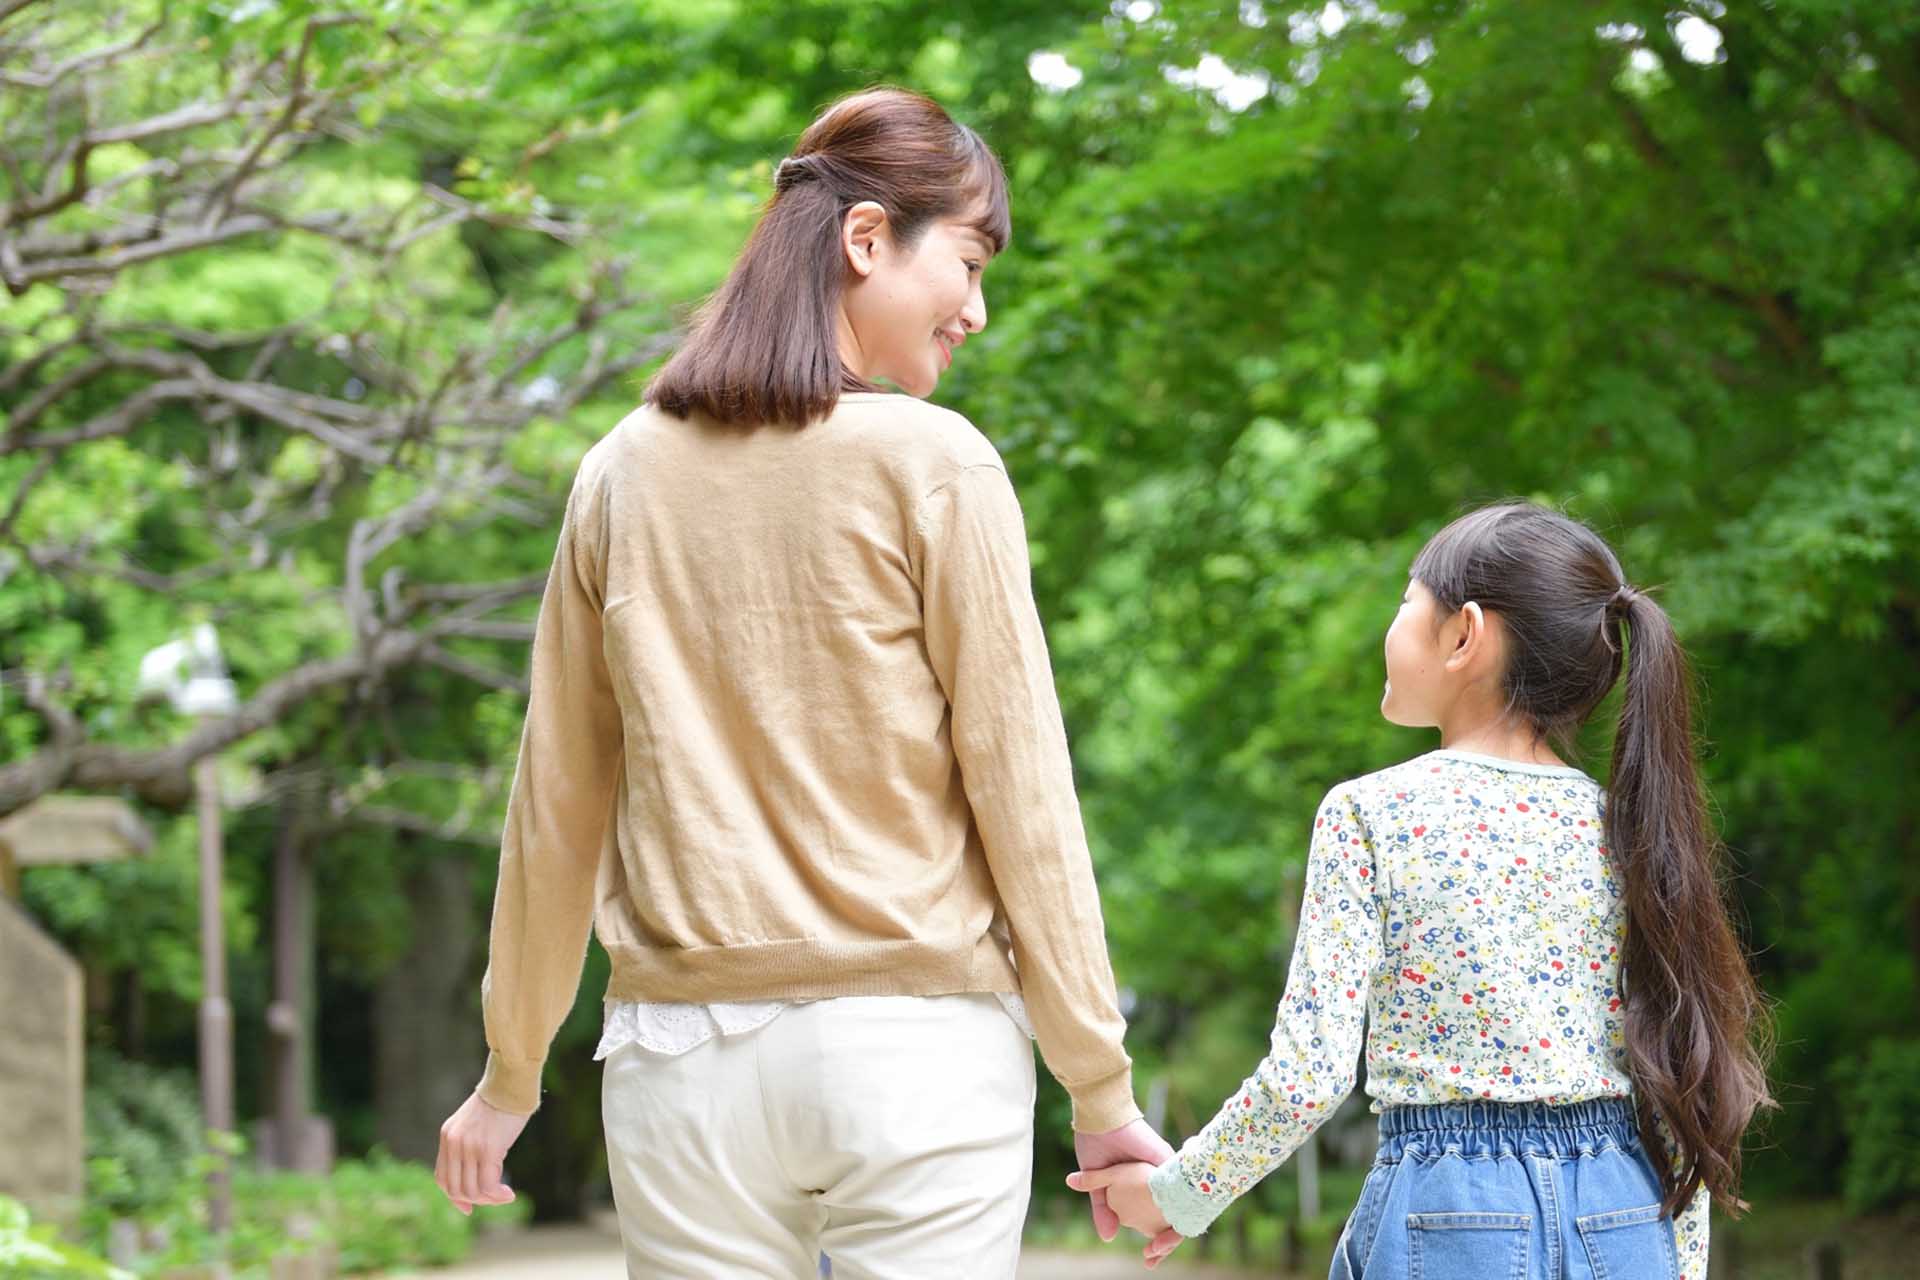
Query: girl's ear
[(1470, 636)]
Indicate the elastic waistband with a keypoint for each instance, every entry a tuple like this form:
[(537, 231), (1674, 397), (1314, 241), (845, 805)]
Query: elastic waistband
[(1595, 1113)]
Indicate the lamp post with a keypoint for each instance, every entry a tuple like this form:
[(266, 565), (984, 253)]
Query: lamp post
[(190, 674)]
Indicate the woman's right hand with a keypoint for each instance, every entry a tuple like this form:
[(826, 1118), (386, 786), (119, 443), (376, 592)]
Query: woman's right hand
[(473, 1154)]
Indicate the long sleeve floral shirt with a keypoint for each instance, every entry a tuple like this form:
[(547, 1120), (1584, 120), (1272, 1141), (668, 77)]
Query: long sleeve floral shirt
[(1462, 917)]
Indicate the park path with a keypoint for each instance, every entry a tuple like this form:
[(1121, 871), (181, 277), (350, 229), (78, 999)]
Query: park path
[(590, 1253)]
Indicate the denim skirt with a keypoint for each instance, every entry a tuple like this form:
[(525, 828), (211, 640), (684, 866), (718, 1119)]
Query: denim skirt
[(1509, 1191)]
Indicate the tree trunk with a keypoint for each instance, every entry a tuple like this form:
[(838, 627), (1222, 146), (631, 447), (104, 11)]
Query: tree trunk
[(428, 1046)]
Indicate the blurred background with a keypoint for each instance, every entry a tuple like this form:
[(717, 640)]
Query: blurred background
[(311, 309)]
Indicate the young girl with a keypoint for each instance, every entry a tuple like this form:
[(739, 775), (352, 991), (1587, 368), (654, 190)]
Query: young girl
[(1558, 1015)]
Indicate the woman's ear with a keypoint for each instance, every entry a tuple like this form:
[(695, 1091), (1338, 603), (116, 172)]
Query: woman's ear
[(1470, 636), (863, 234)]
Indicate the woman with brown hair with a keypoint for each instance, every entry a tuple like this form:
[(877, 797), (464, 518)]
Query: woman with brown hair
[(793, 749)]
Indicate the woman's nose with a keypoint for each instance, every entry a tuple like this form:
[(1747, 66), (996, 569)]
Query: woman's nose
[(973, 316)]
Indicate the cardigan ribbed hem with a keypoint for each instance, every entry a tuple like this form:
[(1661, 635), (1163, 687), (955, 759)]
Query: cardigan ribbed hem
[(809, 969)]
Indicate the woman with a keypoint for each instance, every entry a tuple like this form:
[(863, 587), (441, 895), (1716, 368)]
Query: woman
[(793, 747)]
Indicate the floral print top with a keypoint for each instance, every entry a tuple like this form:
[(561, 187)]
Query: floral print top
[(1463, 917)]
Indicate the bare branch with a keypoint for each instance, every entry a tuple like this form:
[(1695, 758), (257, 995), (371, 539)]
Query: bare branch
[(331, 421), (117, 421), (74, 560), (10, 7), (137, 227), (1775, 311), (493, 594), (565, 232), (477, 672), (72, 158), (195, 116), (591, 313), (93, 59), (484, 629), (220, 202), (41, 772), (456, 830), (20, 276), (17, 373), (202, 339), (46, 397), (161, 775), (19, 503)]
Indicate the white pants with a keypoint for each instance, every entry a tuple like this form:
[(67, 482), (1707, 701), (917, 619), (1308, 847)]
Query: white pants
[(892, 1133)]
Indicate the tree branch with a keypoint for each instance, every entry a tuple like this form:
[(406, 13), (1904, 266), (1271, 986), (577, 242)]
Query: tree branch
[(162, 775), (91, 60), (477, 672), (10, 7), (1775, 311)]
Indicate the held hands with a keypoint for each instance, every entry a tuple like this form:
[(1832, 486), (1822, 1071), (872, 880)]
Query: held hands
[(1130, 1199), (473, 1154), (1134, 1144)]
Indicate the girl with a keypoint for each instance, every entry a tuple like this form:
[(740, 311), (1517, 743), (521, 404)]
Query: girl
[(1557, 1014), (793, 749)]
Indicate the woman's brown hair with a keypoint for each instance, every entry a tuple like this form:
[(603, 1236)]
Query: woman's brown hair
[(764, 347), (1692, 1009)]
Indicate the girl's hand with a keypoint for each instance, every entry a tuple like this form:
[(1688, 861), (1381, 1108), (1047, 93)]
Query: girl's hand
[(1127, 1195), (1160, 1246)]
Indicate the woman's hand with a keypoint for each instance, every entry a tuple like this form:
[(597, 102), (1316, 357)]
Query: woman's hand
[(1130, 1142), (1127, 1195), (473, 1154)]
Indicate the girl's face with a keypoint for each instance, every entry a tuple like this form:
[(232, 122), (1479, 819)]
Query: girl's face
[(1417, 651), (905, 312)]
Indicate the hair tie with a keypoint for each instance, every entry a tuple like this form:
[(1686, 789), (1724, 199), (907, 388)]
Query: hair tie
[(1622, 599), (792, 170)]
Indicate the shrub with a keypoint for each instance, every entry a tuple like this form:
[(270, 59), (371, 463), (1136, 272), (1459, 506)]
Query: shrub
[(144, 1139), (29, 1252), (1883, 1124), (379, 1214)]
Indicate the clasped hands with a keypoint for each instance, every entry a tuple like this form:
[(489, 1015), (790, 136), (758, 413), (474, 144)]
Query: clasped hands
[(1113, 1172)]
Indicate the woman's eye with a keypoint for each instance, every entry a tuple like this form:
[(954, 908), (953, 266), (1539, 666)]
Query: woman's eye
[(973, 266)]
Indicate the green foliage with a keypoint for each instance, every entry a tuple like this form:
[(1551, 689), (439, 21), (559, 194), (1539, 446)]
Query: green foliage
[(375, 1215), (144, 1136), (1883, 1123), (380, 1213), (29, 1252)]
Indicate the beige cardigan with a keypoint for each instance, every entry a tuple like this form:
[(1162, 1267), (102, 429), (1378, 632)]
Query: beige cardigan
[(793, 734)]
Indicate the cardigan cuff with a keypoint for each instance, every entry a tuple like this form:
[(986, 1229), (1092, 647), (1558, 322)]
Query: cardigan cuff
[(511, 1085), (1104, 1104), (1185, 1209)]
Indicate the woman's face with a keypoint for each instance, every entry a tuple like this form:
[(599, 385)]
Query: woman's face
[(905, 311)]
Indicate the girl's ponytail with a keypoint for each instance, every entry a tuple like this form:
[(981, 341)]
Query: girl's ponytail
[(1691, 1004)]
